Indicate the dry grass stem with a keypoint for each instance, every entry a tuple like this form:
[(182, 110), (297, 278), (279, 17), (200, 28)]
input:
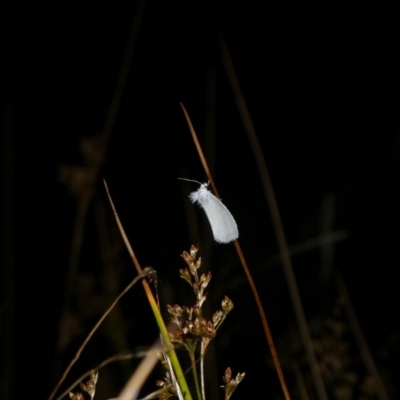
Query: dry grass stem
[(143, 274), (154, 306), (276, 219), (118, 357), (134, 384), (253, 287)]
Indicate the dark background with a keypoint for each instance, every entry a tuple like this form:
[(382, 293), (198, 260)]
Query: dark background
[(321, 83)]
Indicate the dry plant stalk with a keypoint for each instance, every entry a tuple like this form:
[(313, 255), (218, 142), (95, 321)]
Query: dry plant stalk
[(144, 273), (253, 287), (154, 306)]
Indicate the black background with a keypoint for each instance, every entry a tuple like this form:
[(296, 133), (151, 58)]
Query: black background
[(321, 83)]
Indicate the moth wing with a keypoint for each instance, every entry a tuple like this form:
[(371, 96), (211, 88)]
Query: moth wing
[(221, 220)]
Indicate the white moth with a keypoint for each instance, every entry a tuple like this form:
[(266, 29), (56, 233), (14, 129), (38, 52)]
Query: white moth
[(222, 223)]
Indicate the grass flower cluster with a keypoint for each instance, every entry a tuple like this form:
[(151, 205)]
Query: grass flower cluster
[(193, 331)]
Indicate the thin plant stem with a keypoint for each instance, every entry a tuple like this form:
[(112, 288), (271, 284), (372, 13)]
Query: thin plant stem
[(253, 287), (195, 374), (154, 306), (276, 218), (199, 150), (118, 357), (173, 377), (141, 373), (142, 274), (202, 354)]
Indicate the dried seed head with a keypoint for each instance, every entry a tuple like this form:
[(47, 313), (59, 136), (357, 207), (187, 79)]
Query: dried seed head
[(227, 305), (77, 396), (205, 280), (197, 311), (185, 274), (90, 386), (188, 259), (198, 263), (216, 318), (231, 384), (193, 250), (228, 375)]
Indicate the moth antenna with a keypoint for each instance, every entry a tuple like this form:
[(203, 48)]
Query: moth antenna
[(191, 180)]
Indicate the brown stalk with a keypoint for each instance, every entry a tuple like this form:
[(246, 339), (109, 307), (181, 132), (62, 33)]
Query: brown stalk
[(276, 218), (142, 274), (154, 306), (118, 357), (260, 308)]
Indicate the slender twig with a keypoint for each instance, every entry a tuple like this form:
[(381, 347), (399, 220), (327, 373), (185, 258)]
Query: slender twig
[(260, 308), (142, 274), (118, 357), (154, 306), (202, 383), (134, 384), (193, 363), (199, 150), (276, 218)]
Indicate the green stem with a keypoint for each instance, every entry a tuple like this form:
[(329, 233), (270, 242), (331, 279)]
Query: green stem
[(171, 352), (195, 376), (202, 352)]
